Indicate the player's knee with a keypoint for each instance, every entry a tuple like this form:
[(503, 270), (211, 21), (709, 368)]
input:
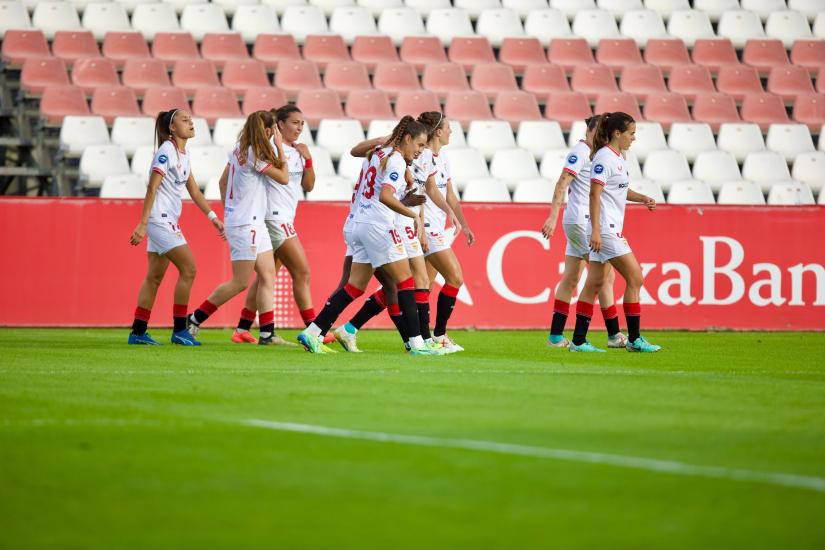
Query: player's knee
[(302, 275), (636, 280), (189, 272), (154, 279), (456, 280)]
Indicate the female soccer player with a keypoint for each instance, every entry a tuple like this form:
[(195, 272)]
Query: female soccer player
[(609, 192), (576, 174), (171, 171), (373, 238), (243, 192)]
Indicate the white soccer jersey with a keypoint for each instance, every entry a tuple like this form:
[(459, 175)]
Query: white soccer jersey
[(353, 205), (577, 210), (370, 209), (175, 167), (282, 200), (439, 168), (609, 170), (246, 191), (418, 170)]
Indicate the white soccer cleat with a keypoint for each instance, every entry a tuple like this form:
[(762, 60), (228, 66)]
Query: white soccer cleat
[(346, 339), (193, 328), (619, 341), (562, 342), (447, 343)]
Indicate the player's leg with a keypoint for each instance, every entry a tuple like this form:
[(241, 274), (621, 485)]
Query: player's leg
[(292, 255), (445, 262), (418, 266), (146, 299), (241, 335), (629, 269), (584, 307), (241, 275), (615, 339), (266, 270), (184, 261), (573, 267)]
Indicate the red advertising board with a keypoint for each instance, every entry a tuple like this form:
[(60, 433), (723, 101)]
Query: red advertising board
[(68, 262)]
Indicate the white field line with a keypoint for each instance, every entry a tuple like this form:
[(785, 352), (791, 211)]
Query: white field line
[(638, 372), (638, 463)]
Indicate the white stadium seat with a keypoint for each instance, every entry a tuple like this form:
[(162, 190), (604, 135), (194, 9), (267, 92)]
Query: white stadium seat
[(132, 4), (538, 136), (151, 19), (226, 132), (230, 7), (99, 161), (201, 19), (809, 7), (794, 193), (523, 7), (379, 128), (77, 132), (667, 7), (765, 169), (513, 165), (690, 192), (593, 25), (665, 167), (715, 8), (330, 188), (305, 136), (634, 169), (281, 5), (252, 20), (617, 8), (740, 192), (740, 139), (133, 132), (810, 168), (457, 139), (329, 6), (649, 137), (535, 190), (485, 190), (496, 25), (449, 23), (691, 138), (179, 5), (642, 25), (207, 162), (489, 136), (716, 168), (339, 135), (649, 188), (377, 6), (790, 140), (552, 163), (13, 16), (821, 199), (763, 8), (51, 17), (142, 162), (351, 22), (398, 23), (547, 25), (466, 164), (301, 21), (203, 136), (127, 186), (578, 131), (476, 7), (690, 25), (321, 161), (739, 27), (349, 167), (424, 7), (571, 7), (213, 189), (788, 26)]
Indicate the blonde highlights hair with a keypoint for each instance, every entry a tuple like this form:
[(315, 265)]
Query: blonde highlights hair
[(408, 126), (253, 135)]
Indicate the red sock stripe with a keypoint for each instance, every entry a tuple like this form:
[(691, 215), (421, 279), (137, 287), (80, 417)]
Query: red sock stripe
[(266, 318), (143, 314), (584, 309), (450, 291), (180, 310), (562, 307), (632, 310), (308, 315), (353, 292), (422, 297), (394, 310), (409, 284), (381, 298), (247, 315), (610, 312), (208, 307)]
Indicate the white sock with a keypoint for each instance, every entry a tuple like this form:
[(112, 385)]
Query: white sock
[(416, 342), (266, 334), (241, 330), (314, 330), (193, 320)]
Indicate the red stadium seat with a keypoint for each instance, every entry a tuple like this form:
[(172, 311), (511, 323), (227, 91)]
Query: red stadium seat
[(468, 52), (809, 54), (368, 105), (191, 74), (467, 106), (73, 45), (569, 53), (294, 76), (521, 52), (592, 80), (443, 78), (666, 53), (172, 47), (319, 104), (164, 99), (544, 79), (422, 50), (61, 101), (714, 53), (641, 80), (738, 81), (666, 108), (95, 72), (617, 53), (765, 55), (690, 80), (215, 103), (567, 108), (810, 109), (789, 82), (415, 103), (113, 102), (764, 109), (274, 48), (515, 107), (715, 109), (121, 46), (820, 81), (395, 77), (323, 48), (619, 101), (371, 50), (19, 45), (220, 47), (243, 75), (39, 72), (493, 78), (262, 99), (140, 74), (343, 76)]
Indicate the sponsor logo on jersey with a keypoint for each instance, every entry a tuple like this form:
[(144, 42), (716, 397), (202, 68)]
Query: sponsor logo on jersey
[(572, 159), (301, 173), (620, 168), (362, 205), (163, 215), (622, 185), (598, 169), (394, 176), (227, 209), (162, 159)]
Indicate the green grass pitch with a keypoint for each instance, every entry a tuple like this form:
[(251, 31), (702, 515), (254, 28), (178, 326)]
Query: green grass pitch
[(103, 445)]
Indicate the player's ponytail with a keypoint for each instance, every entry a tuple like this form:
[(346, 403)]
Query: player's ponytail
[(408, 126), (592, 122), (606, 125), (433, 120), (253, 135), (162, 122)]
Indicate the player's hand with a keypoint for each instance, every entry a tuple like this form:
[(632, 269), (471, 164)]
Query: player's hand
[(137, 236), (470, 237), (455, 224), (425, 244), (219, 226), (548, 228), (596, 242), (413, 199), (650, 203), (419, 229), (276, 135), (303, 149)]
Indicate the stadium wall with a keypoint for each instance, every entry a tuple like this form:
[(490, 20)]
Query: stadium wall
[(68, 262)]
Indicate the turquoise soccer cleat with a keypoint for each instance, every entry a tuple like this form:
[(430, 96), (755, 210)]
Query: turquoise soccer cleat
[(586, 347), (311, 343), (642, 346), (142, 340), (427, 349), (184, 338)]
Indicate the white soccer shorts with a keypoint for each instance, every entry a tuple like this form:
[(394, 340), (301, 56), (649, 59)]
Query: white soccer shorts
[(613, 246), (247, 241), (163, 237), (436, 242), (411, 243), (578, 241), (375, 245), (279, 232)]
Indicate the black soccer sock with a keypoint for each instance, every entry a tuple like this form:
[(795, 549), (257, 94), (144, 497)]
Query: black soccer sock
[(141, 321), (247, 318), (611, 320), (584, 312), (179, 317), (267, 321), (409, 311), (338, 302), (370, 309), (398, 320), (422, 301), (632, 314), (206, 309), (561, 310), (446, 303)]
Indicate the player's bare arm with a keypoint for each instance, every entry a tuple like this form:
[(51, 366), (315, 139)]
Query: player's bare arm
[(200, 201), (308, 179), (140, 231), (555, 207), (633, 196), (595, 208), (365, 147), (452, 201)]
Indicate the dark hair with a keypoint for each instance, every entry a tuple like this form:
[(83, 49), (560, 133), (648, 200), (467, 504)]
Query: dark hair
[(433, 120), (253, 134), (162, 123), (592, 122), (282, 113), (408, 126), (607, 124)]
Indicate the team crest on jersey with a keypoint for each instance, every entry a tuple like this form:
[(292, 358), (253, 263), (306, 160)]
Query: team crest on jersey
[(572, 159), (598, 169), (162, 159)]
